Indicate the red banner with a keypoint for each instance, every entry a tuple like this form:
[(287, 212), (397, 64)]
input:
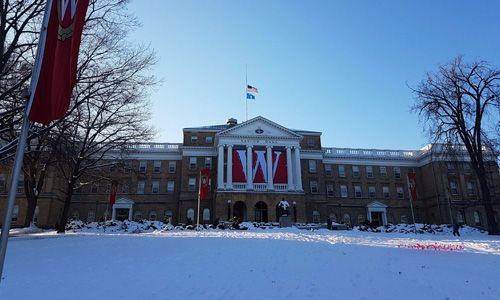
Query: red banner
[(112, 192), (412, 184), (279, 167), (204, 182), (239, 165), (259, 168), (60, 56)]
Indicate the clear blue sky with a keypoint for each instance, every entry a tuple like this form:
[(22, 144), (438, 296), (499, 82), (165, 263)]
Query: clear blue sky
[(339, 67)]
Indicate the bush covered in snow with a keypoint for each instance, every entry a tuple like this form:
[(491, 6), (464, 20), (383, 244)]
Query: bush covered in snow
[(421, 229)]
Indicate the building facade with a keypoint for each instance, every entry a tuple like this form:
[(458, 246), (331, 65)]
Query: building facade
[(256, 164)]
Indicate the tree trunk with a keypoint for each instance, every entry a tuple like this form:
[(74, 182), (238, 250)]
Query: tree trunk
[(67, 203), (30, 211), (488, 207)]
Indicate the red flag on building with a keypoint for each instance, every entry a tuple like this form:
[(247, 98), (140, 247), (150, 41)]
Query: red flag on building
[(204, 182), (412, 185), (112, 192), (59, 63)]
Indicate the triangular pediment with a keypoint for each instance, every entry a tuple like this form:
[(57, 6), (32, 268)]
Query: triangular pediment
[(124, 201), (259, 127), (377, 205)]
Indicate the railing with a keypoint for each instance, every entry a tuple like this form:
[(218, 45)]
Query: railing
[(242, 186), (260, 186), (373, 153), (155, 147), (239, 186), (280, 187)]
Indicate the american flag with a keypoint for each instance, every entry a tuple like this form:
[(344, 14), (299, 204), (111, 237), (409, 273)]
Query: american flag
[(252, 89)]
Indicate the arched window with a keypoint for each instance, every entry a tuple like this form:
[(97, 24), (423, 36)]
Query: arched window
[(76, 215), (91, 216), (390, 218), (347, 219), (168, 216), (206, 215), (477, 218), (361, 219), (403, 219), (316, 217), (460, 217), (15, 213), (152, 216), (138, 216), (190, 214), (333, 217), (35, 216)]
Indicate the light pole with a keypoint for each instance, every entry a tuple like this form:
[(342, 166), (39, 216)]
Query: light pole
[(295, 211), (229, 210), (95, 215)]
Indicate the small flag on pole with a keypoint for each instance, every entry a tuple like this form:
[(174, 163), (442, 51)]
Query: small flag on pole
[(204, 181), (250, 96), (252, 89)]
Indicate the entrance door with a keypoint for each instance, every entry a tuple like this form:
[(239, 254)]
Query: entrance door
[(261, 212), (240, 211), (377, 219), (122, 214)]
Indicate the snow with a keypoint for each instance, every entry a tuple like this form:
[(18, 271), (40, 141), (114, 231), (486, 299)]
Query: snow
[(287, 263)]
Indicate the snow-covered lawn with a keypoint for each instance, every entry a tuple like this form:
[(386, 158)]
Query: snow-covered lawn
[(251, 264)]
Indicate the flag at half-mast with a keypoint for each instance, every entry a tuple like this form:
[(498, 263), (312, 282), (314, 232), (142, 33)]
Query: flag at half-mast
[(252, 89), (412, 184), (59, 62), (204, 182)]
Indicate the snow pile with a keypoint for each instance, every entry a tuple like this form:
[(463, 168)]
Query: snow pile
[(421, 229)]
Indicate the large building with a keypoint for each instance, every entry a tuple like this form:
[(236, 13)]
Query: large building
[(254, 165)]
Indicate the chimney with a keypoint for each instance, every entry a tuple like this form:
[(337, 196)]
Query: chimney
[(232, 122)]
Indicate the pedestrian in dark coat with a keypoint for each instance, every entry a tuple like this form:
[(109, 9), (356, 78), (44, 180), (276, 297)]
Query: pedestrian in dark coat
[(329, 223), (455, 228)]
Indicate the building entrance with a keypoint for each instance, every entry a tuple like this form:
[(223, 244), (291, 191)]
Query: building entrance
[(261, 212), (240, 211), (377, 219), (122, 214)]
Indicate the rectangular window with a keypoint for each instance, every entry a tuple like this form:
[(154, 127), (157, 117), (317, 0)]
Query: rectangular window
[(451, 168), (170, 186), (470, 189), (343, 191), (355, 171), (328, 170), (453, 188), (329, 190), (108, 187), (385, 191), (171, 166), (467, 169), (312, 166), (125, 188), (2, 180), (371, 191), (142, 166), (97, 166), (397, 173), (157, 167), (194, 139), (369, 172), (383, 172), (400, 192), (155, 187), (192, 163), (208, 140), (310, 142), (314, 187), (128, 166), (341, 171), (192, 184), (95, 188), (357, 191), (140, 187), (208, 163), (112, 167)]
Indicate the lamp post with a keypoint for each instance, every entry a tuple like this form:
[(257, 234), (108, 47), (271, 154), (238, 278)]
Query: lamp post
[(295, 211), (95, 215), (228, 210)]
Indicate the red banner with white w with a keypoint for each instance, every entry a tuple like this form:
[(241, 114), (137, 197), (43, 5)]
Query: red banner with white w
[(412, 185)]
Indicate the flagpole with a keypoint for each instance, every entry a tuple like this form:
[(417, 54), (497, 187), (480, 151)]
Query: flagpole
[(246, 85), (198, 214), (21, 145), (411, 202)]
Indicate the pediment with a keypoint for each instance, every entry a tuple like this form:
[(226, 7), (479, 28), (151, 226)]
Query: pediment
[(259, 127), (376, 205), (124, 201)]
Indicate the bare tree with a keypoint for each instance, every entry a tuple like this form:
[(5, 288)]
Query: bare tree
[(459, 105)]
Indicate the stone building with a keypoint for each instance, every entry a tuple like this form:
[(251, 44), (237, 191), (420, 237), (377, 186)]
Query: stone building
[(254, 165)]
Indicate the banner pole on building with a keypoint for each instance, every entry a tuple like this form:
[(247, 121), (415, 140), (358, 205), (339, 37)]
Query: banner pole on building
[(198, 212), (412, 191)]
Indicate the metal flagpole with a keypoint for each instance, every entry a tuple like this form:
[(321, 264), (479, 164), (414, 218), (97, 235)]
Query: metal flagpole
[(246, 86), (18, 161), (198, 214), (411, 202)]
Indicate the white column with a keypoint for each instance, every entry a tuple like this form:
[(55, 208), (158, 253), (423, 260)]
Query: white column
[(298, 171), (220, 168), (229, 184), (249, 168), (113, 214), (270, 184), (289, 168)]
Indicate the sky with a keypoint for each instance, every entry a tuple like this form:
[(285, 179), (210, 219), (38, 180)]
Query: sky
[(339, 67)]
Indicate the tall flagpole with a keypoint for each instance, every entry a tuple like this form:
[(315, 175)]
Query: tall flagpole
[(198, 214), (246, 85), (411, 202), (21, 145)]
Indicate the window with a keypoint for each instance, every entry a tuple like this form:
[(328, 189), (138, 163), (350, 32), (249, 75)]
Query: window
[(477, 218), (355, 171), (329, 190), (341, 171), (140, 187), (128, 166), (361, 219), (192, 163), (112, 167), (75, 215), (2, 180), (328, 170), (460, 217), (138, 216), (371, 191), (390, 218), (369, 172), (108, 187), (206, 215), (347, 219), (168, 216), (155, 187), (312, 166), (170, 186), (95, 188), (316, 217), (208, 140), (451, 168), (15, 213), (192, 184), (357, 191), (171, 166), (401, 195), (157, 167), (467, 169), (343, 191), (97, 167), (152, 216), (310, 142), (470, 189), (190, 214), (208, 163), (314, 187), (125, 188), (383, 172), (385, 191), (142, 166), (397, 173), (91, 216), (20, 184), (194, 139), (403, 219), (333, 217), (453, 188)]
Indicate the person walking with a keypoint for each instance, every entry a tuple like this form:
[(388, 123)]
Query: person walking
[(455, 228), (329, 223)]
